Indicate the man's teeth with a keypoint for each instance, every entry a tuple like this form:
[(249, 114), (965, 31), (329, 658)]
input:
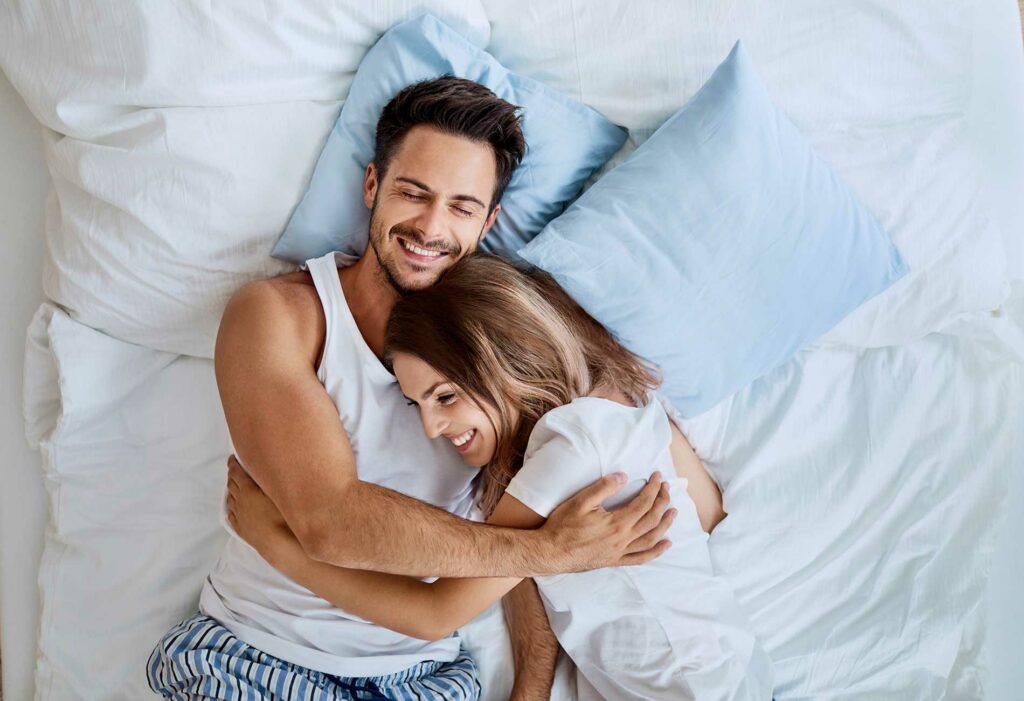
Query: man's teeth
[(420, 251), (461, 440)]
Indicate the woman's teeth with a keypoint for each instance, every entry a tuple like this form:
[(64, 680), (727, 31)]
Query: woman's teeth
[(464, 438), (420, 251)]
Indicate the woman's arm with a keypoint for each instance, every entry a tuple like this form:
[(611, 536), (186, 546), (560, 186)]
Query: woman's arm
[(706, 495), (403, 604)]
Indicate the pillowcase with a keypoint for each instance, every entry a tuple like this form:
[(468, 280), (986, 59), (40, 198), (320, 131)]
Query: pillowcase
[(721, 246), (566, 142)]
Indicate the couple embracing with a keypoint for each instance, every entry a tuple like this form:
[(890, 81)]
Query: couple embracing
[(426, 430)]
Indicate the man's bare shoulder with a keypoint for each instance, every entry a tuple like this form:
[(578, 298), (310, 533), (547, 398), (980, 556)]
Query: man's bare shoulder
[(283, 313)]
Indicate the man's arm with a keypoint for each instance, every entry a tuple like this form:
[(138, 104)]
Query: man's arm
[(287, 434), (534, 646)]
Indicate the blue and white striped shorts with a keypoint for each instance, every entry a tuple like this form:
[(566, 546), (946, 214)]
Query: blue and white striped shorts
[(199, 659)]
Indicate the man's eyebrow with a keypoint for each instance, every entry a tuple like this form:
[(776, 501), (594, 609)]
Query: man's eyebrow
[(426, 188), (432, 388)]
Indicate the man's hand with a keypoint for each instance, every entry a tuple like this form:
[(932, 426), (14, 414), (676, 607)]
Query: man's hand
[(582, 535), (254, 517)]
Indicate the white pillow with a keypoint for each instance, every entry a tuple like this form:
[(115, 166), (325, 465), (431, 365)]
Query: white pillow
[(134, 447)]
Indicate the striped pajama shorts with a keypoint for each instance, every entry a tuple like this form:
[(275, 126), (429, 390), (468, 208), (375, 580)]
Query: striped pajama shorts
[(200, 659)]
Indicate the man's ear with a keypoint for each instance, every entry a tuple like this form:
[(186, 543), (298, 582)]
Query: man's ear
[(370, 185), (490, 222)]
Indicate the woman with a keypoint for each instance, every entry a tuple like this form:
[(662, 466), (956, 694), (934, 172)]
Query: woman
[(539, 396)]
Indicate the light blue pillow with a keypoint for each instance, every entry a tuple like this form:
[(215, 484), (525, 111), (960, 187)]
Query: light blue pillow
[(566, 142), (721, 246)]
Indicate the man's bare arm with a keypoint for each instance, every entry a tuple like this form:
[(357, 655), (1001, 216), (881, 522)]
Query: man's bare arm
[(534, 646), (288, 436)]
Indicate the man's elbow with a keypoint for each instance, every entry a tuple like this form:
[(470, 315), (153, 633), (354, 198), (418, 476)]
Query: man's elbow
[(325, 539), (330, 543), (315, 539)]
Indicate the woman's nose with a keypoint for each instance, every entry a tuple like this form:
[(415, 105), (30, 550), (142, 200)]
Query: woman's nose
[(433, 425)]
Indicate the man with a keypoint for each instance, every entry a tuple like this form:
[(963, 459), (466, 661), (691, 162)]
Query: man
[(295, 354)]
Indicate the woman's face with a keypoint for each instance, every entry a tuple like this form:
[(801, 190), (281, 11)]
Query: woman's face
[(447, 411)]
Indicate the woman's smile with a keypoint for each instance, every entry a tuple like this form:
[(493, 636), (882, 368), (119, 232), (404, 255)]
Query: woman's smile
[(463, 441)]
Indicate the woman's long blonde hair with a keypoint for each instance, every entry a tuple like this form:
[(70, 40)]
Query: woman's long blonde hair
[(517, 341)]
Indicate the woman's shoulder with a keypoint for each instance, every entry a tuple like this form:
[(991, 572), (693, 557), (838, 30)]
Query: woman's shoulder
[(575, 444), (566, 423), (599, 422)]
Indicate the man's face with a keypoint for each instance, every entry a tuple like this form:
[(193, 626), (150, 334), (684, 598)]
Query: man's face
[(431, 207)]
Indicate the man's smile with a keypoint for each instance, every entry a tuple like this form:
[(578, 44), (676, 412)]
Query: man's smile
[(419, 254)]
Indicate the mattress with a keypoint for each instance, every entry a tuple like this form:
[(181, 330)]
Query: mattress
[(171, 182)]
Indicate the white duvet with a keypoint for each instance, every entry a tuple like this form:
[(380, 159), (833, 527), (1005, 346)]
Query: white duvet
[(863, 479)]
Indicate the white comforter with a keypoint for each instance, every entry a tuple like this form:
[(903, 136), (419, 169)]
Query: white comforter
[(863, 478)]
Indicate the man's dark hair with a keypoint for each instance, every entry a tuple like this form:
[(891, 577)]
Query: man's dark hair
[(458, 107)]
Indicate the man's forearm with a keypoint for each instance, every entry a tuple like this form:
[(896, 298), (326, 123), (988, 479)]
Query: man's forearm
[(375, 528), (534, 646)]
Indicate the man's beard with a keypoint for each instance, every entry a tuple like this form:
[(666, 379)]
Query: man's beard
[(388, 267)]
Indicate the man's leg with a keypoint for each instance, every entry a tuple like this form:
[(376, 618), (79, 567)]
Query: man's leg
[(458, 680), (200, 660)]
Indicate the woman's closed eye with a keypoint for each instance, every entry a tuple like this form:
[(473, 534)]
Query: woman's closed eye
[(446, 398)]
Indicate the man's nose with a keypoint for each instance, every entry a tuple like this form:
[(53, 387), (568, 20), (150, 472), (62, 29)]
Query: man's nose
[(430, 221)]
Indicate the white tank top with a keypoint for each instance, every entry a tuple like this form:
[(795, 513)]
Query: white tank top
[(269, 611)]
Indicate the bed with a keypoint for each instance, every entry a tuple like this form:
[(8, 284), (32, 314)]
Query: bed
[(866, 479)]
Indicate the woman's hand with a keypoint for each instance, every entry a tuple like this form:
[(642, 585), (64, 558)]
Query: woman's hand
[(255, 518)]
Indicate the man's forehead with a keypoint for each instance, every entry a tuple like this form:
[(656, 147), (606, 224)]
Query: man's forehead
[(445, 163)]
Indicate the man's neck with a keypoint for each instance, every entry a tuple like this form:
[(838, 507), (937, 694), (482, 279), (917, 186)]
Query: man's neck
[(370, 299)]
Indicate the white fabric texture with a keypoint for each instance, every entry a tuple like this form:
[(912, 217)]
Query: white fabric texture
[(266, 608), (134, 448), (667, 630)]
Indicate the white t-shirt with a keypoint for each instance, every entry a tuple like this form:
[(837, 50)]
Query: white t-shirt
[(266, 609), (669, 629)]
